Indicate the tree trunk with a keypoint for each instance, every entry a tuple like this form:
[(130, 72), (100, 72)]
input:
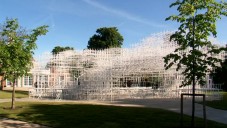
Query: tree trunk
[(2, 84), (13, 96), (193, 78), (193, 104)]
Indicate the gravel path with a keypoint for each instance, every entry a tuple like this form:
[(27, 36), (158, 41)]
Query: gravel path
[(9, 123)]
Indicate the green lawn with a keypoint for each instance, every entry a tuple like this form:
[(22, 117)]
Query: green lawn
[(219, 104), (59, 114), (6, 94)]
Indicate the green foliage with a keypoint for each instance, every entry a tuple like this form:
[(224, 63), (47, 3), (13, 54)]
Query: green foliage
[(17, 48), (58, 49), (105, 38), (16, 51), (219, 75), (197, 20), (75, 73)]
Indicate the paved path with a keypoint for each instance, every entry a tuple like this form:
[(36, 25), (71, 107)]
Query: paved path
[(167, 104), (9, 123), (174, 105)]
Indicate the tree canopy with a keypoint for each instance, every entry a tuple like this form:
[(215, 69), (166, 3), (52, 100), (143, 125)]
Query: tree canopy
[(58, 49), (16, 50), (105, 38), (197, 20)]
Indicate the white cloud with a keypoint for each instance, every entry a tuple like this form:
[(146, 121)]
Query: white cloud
[(123, 14), (47, 19)]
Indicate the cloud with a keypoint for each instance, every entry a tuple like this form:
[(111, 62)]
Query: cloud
[(71, 7), (47, 19), (121, 13)]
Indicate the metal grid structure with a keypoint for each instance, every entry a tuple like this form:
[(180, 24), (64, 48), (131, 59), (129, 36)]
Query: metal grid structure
[(136, 72)]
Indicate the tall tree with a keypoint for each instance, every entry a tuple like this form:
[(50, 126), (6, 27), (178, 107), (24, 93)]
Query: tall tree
[(197, 20), (58, 49), (16, 52), (105, 38)]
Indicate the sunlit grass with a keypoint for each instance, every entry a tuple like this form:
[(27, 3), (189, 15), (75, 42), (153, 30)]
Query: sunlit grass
[(6, 94)]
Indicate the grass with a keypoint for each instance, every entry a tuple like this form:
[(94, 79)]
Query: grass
[(71, 115), (6, 94), (219, 104)]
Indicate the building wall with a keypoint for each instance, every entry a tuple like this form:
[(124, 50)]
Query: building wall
[(26, 81)]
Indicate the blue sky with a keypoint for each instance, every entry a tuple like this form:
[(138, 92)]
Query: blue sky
[(73, 22)]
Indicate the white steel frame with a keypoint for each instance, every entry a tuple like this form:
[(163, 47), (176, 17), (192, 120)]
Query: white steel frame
[(136, 72)]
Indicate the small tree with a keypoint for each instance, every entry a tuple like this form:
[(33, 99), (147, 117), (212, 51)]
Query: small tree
[(105, 38), (17, 47), (197, 20), (58, 49)]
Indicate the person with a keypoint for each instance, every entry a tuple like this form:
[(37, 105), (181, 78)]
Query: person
[(35, 85), (129, 83)]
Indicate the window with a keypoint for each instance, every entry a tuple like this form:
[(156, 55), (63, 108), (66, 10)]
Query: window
[(9, 83), (28, 81)]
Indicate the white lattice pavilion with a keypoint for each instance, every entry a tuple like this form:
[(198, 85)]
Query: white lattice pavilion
[(136, 72)]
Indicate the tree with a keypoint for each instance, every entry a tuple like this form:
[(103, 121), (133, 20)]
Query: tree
[(197, 20), (219, 75), (105, 38), (16, 52), (58, 49)]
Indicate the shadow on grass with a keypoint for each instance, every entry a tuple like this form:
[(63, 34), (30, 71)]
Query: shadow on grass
[(93, 116), (218, 104), (68, 115)]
